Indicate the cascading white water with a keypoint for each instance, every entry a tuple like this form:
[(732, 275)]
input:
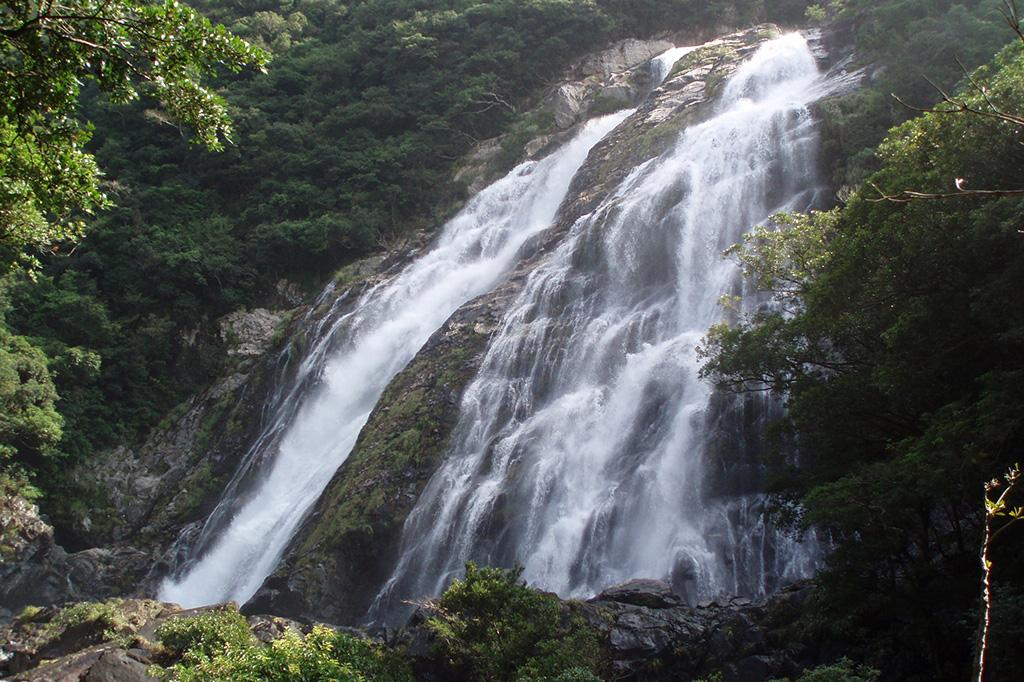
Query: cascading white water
[(360, 355), (661, 66), (585, 443)]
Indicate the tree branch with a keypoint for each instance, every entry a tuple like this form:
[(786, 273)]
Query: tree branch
[(907, 196)]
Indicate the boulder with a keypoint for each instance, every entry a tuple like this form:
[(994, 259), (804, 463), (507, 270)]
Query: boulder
[(249, 333), (270, 628), (654, 594), (118, 665), (567, 103), (649, 634)]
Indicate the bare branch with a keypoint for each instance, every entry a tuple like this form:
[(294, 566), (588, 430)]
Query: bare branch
[(907, 196), (1012, 17), (961, 107), (491, 100)]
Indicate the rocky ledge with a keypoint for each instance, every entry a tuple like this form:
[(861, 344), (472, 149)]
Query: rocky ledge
[(647, 633), (644, 630)]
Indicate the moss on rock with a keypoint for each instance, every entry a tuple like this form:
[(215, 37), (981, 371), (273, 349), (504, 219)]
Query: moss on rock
[(342, 552)]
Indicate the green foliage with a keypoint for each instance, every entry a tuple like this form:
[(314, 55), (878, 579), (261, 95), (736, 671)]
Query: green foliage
[(29, 612), (161, 55), (816, 13), (218, 645), (199, 638), (577, 674), (491, 626), (162, 50), (843, 670), (713, 677), (322, 655), (100, 366), (103, 613), (897, 345), (30, 425), (910, 40)]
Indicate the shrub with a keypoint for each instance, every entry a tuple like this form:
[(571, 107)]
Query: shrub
[(843, 670), (206, 635), (322, 655), (491, 626)]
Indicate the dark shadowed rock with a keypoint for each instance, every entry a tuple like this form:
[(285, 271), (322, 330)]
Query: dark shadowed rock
[(118, 666), (270, 628), (655, 594), (70, 668), (742, 640)]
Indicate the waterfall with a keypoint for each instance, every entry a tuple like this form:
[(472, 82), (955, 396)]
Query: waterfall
[(353, 361), (587, 446), (661, 66)]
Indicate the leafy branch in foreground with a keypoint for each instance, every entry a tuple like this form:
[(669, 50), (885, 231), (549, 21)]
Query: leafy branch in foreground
[(48, 50), (995, 509)]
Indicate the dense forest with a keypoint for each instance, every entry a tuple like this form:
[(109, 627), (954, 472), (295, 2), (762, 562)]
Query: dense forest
[(331, 131)]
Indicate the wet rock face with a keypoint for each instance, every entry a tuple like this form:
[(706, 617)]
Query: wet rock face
[(611, 79), (35, 570), (344, 551), (622, 56), (681, 100)]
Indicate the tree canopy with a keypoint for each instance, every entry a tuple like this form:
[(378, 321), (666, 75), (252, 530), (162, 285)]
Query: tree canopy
[(48, 51)]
